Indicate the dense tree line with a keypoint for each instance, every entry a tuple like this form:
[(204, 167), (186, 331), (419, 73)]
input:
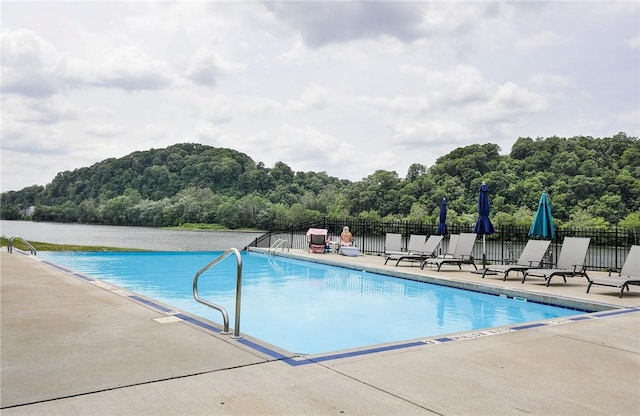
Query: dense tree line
[(592, 182)]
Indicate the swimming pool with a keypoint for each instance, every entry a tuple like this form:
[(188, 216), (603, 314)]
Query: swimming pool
[(306, 307)]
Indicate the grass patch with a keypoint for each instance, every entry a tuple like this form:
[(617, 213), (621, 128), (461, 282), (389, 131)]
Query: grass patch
[(200, 226), (40, 246)]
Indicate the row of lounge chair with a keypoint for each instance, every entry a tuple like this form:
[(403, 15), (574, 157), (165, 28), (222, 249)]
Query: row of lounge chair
[(419, 248), (571, 260), (424, 250), (461, 253)]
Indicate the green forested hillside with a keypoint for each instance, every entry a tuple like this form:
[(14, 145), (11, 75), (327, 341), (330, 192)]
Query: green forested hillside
[(592, 182)]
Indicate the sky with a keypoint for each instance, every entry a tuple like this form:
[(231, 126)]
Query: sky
[(343, 87)]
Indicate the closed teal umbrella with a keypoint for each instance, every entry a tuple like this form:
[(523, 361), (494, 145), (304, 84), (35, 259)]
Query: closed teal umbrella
[(543, 221)]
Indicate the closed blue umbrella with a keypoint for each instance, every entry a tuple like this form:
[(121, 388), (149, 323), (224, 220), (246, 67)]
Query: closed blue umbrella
[(442, 225), (543, 221), (483, 226)]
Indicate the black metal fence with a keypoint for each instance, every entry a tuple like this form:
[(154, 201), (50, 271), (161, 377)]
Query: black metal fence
[(607, 250)]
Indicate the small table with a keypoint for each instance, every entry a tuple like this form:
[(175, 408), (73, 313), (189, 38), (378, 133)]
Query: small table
[(335, 246)]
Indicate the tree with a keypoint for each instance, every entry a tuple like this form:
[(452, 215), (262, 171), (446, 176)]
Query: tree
[(631, 221), (10, 211), (150, 212), (418, 212), (251, 206), (416, 170), (282, 173), (229, 213), (188, 182), (114, 211), (580, 218)]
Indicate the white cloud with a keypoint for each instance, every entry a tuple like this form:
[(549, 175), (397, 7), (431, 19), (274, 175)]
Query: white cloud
[(551, 81), (32, 66), (321, 23), (539, 40), (29, 64), (313, 97), (633, 42), (303, 148), (630, 118), (514, 99), (343, 87), (130, 68), (106, 130), (205, 66)]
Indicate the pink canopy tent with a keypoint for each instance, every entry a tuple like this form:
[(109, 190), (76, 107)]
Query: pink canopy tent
[(317, 231), (317, 239)]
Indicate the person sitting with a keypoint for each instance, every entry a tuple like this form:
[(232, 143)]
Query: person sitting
[(346, 239)]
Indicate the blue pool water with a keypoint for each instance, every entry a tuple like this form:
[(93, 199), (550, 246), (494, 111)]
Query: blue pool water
[(306, 307)]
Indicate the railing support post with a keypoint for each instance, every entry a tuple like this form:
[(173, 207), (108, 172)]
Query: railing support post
[(10, 244), (223, 311)]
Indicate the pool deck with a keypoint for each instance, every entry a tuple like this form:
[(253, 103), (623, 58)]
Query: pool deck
[(75, 347)]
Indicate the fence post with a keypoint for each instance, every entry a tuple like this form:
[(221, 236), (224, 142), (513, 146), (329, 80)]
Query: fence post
[(616, 247), (502, 244)]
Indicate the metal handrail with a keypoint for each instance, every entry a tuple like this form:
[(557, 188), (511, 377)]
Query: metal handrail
[(225, 316), (279, 243), (10, 244)]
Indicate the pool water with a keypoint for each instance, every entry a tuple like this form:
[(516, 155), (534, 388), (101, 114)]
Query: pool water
[(305, 307)]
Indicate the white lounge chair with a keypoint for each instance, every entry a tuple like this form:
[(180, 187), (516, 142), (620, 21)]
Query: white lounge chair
[(628, 275), (453, 240), (393, 244), (531, 257), (571, 261), (461, 253), (428, 250), (416, 241)]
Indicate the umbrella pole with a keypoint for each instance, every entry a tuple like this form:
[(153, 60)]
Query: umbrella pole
[(484, 251)]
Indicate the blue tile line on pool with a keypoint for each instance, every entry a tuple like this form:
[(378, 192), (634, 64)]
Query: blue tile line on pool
[(150, 303), (71, 272), (197, 322), (301, 360)]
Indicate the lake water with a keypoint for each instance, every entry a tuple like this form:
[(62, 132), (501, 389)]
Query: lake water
[(145, 238)]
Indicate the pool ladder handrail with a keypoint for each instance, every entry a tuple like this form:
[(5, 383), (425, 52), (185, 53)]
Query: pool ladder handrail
[(222, 310), (279, 243), (17, 237)]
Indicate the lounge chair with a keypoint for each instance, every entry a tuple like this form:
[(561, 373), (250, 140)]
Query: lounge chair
[(453, 240), (416, 241), (428, 250), (530, 257), (571, 262), (461, 253), (393, 244), (628, 275)]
